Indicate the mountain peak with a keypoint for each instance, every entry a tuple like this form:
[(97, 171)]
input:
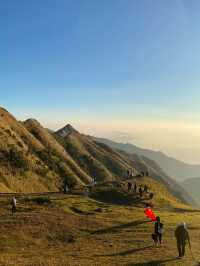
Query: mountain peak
[(66, 131)]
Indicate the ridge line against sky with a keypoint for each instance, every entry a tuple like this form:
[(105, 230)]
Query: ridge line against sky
[(106, 66)]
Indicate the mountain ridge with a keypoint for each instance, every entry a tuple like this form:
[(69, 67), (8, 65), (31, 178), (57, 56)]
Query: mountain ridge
[(191, 185), (34, 159), (175, 168)]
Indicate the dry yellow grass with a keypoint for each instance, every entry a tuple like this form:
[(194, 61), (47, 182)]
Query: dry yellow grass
[(103, 234)]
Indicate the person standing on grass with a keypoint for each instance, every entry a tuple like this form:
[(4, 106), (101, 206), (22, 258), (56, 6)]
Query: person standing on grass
[(14, 205), (151, 195), (145, 189), (140, 192), (135, 188), (182, 235), (66, 188), (158, 232), (129, 186)]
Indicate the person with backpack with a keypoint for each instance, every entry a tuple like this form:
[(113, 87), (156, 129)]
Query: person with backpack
[(158, 232), (14, 205), (182, 236)]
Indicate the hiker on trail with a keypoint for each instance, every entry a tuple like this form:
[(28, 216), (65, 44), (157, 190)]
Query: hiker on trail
[(135, 188), (158, 232), (132, 174), (67, 188), (129, 186), (93, 182), (14, 205), (140, 192), (151, 195), (182, 235), (145, 189), (128, 174), (87, 192)]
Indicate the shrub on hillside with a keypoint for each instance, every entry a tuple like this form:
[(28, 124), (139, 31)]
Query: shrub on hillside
[(16, 158), (56, 164), (42, 200)]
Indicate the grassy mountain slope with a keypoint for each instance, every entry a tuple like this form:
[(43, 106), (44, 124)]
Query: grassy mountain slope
[(34, 159), (51, 145), (19, 164), (192, 186), (144, 164), (178, 170), (98, 160), (104, 163), (31, 159), (76, 230)]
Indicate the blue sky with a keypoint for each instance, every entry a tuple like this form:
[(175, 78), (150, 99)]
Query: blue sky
[(110, 65)]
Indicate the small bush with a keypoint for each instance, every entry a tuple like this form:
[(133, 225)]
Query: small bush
[(16, 158), (42, 200)]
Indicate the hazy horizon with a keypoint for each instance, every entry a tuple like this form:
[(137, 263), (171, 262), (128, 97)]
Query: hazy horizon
[(144, 134), (126, 70)]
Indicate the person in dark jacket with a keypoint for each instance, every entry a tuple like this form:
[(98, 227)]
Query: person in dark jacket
[(135, 188), (140, 192), (151, 195), (129, 186), (182, 235), (158, 232), (145, 189)]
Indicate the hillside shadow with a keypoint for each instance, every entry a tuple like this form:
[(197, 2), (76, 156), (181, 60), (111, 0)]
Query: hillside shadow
[(152, 263), (81, 212), (117, 197), (126, 252), (114, 229), (181, 210)]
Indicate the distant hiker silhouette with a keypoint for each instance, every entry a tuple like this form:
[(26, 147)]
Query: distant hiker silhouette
[(145, 189), (151, 195), (182, 235), (158, 232), (14, 205), (135, 188), (128, 173), (87, 191), (93, 182), (140, 192), (129, 186), (66, 189)]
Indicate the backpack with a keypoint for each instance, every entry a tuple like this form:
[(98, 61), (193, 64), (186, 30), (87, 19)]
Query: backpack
[(160, 229)]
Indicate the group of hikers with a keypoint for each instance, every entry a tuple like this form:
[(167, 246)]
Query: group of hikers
[(131, 174), (181, 232), (139, 189), (181, 235)]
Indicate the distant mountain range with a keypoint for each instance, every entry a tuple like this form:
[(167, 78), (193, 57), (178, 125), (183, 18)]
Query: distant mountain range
[(192, 186), (34, 159), (174, 168)]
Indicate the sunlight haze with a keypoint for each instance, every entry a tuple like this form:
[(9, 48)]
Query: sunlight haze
[(106, 67)]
